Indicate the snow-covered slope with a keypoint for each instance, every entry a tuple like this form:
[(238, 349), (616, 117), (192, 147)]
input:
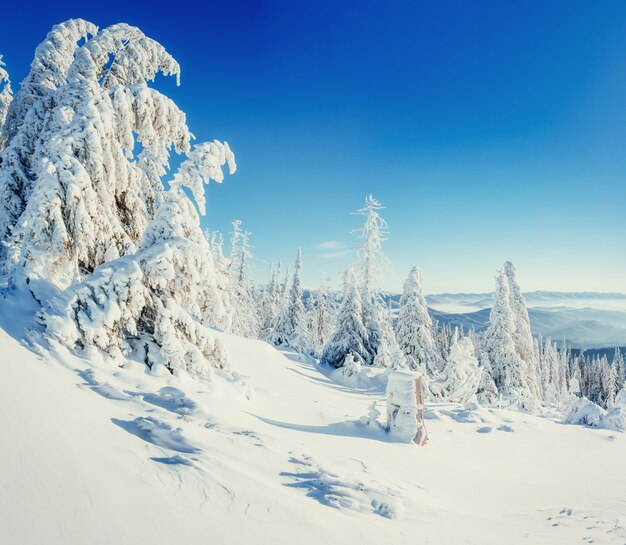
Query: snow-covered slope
[(97, 455)]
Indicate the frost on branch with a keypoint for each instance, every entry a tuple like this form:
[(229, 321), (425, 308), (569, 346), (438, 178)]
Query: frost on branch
[(204, 162)]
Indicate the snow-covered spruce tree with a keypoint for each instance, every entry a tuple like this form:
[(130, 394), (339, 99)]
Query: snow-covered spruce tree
[(550, 373), (135, 269), (350, 335), (620, 368), (282, 329), (522, 337), (290, 328), (507, 367), (413, 327), (610, 384), (222, 279), (322, 321), (461, 374), (296, 310), (154, 303), (24, 120), (92, 200), (372, 264), (487, 392), (388, 354), (270, 304), (244, 319), (6, 96)]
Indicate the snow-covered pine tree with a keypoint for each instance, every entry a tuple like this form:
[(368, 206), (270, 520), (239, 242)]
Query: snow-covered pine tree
[(93, 200), (271, 304), (156, 303), (24, 120), (309, 322), (6, 96), (389, 354), (610, 383), (461, 373), (509, 371), (413, 328), (620, 369), (372, 264), (216, 244), (296, 312), (322, 324), (136, 270), (350, 335), (550, 366), (522, 336), (282, 330), (244, 319), (487, 392)]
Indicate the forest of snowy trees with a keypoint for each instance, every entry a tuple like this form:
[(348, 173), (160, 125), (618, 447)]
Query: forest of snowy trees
[(107, 239)]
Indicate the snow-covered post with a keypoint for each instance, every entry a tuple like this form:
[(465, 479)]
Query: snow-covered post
[(405, 407)]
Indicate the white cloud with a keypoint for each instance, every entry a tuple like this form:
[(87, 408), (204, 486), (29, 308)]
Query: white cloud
[(332, 249)]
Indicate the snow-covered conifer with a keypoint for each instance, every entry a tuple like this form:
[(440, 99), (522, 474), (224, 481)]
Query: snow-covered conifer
[(522, 336), (25, 115), (245, 318), (296, 310), (413, 328), (156, 302), (461, 373), (509, 372), (620, 369), (350, 335), (372, 264), (282, 330), (6, 96), (93, 200), (322, 323), (136, 271)]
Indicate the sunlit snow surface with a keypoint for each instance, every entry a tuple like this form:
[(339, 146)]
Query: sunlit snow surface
[(278, 455)]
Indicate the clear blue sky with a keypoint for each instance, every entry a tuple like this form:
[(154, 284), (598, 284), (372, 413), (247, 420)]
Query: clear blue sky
[(490, 130)]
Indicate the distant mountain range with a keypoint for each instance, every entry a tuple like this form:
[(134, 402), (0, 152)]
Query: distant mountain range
[(580, 319)]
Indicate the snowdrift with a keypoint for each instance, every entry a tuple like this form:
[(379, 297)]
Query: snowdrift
[(275, 452)]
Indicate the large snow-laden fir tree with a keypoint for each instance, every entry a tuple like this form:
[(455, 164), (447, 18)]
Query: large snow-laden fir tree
[(413, 328), (24, 121), (93, 199), (85, 216)]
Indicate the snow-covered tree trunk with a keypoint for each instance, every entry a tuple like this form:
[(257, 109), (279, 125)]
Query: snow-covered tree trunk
[(405, 407)]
